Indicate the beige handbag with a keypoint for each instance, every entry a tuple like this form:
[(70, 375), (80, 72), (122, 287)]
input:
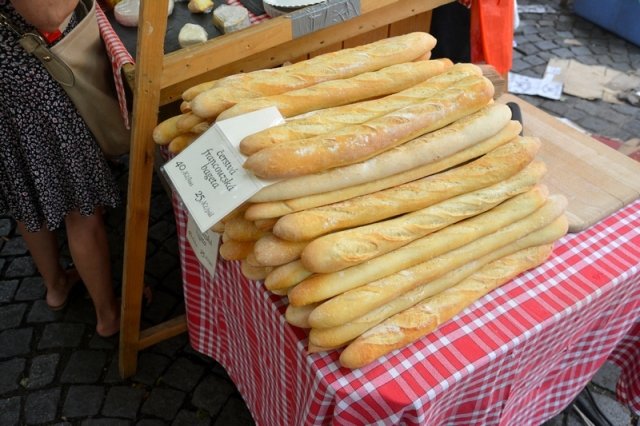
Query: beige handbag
[(79, 62)]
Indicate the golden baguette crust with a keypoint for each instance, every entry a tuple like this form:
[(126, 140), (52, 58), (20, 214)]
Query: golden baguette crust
[(299, 315), (333, 93), (270, 250), (338, 92), (340, 335), (276, 209), (166, 130), (344, 308), (181, 141), (286, 276), (240, 229), (350, 247), (235, 250), (329, 66), (489, 169), (320, 287), (359, 142), (425, 149), (255, 273), (413, 323), (330, 119), (187, 121)]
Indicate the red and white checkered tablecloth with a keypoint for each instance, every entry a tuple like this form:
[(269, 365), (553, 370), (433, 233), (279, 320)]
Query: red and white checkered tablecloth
[(517, 356)]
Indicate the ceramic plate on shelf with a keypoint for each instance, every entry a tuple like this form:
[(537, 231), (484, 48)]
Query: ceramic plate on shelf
[(275, 8)]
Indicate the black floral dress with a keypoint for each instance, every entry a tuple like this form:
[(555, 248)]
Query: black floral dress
[(50, 163)]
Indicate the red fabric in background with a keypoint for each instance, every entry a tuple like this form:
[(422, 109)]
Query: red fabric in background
[(492, 33)]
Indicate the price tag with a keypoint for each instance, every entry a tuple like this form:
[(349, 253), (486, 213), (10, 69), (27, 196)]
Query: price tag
[(204, 245), (208, 175)]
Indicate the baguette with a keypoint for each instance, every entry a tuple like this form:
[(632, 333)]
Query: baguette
[(324, 286), (265, 224), (462, 134), (254, 273), (331, 119), (286, 276), (181, 141), (342, 334), (187, 121), (276, 209), (273, 251), (489, 169), (166, 130), (344, 308), (299, 315), (359, 142), (240, 229), (333, 93), (350, 247), (235, 250), (408, 326), (330, 66)]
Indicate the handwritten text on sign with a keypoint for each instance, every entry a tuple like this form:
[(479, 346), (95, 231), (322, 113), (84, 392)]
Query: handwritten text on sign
[(208, 175)]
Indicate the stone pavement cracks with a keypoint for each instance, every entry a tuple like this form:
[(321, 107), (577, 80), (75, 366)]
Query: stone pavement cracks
[(54, 369)]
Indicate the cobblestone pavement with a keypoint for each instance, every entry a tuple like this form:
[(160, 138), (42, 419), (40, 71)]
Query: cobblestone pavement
[(55, 370)]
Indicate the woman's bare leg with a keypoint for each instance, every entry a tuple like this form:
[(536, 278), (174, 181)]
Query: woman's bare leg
[(89, 249), (43, 246)]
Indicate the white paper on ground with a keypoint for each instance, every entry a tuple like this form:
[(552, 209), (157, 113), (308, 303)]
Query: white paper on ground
[(546, 87), (208, 175)]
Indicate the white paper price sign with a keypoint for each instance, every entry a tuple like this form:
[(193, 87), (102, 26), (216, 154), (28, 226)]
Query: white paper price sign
[(204, 245), (208, 174)]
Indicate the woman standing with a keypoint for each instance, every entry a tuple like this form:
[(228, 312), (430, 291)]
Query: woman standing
[(52, 172)]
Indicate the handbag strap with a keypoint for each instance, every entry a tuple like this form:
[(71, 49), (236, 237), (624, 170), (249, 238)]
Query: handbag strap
[(35, 45)]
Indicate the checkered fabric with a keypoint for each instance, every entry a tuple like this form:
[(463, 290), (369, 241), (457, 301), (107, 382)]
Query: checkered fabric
[(120, 56), (517, 356)]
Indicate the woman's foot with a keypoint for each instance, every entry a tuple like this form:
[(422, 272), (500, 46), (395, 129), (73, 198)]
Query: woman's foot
[(109, 322), (58, 295)]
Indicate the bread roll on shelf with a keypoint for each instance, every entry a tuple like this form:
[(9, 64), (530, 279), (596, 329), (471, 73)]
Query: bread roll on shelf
[(357, 143), (431, 147), (343, 63), (354, 303), (270, 250), (489, 169), (331, 119), (286, 276), (350, 247), (413, 323), (276, 209), (338, 92), (342, 334), (320, 287)]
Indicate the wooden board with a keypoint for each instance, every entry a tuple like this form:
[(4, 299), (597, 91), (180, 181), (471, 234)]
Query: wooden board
[(596, 179)]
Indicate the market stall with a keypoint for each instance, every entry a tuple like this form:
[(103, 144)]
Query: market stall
[(518, 355), (158, 79)]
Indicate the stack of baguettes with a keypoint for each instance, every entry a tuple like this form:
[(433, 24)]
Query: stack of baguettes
[(401, 199)]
